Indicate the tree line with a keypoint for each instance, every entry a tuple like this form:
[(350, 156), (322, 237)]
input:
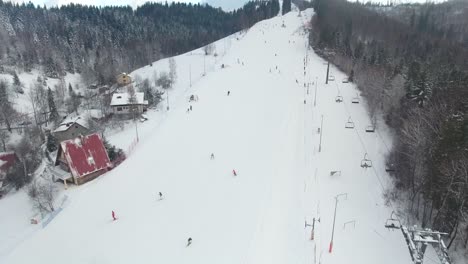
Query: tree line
[(100, 42), (417, 79)]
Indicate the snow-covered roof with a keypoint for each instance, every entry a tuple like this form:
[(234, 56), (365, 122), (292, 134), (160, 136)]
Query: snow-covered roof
[(59, 173), (123, 99), (70, 121)]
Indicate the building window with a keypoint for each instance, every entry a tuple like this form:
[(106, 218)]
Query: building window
[(119, 108)]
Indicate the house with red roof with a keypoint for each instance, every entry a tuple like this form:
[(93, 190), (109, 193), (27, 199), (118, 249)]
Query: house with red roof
[(7, 160), (84, 157)]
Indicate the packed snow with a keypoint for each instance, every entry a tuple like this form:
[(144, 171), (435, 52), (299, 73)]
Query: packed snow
[(257, 118)]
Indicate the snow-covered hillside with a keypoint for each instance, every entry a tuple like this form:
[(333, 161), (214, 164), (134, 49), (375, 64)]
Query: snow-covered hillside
[(22, 103), (226, 5), (267, 130)]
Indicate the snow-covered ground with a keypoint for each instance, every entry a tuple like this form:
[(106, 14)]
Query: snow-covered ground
[(267, 134), (22, 103)]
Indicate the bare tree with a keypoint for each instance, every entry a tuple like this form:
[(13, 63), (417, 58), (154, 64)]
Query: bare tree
[(42, 193), (164, 81), (4, 136), (5, 105), (172, 70), (209, 49), (133, 101)]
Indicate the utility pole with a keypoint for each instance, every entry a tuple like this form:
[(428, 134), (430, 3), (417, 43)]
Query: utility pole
[(167, 97), (321, 132), (315, 96), (328, 70), (204, 65), (136, 130), (334, 218), (313, 228)]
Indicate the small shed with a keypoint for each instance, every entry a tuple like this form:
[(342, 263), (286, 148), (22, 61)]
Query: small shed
[(85, 157), (124, 79)]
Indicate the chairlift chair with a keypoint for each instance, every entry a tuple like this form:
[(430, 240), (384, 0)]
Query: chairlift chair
[(345, 80), (355, 100), (370, 129), (390, 167), (335, 173), (339, 99), (392, 223), (331, 78), (349, 124), (366, 162)]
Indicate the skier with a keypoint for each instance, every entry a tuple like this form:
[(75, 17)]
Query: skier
[(160, 196), (234, 173), (190, 107), (189, 241), (212, 156), (113, 216), (229, 92)]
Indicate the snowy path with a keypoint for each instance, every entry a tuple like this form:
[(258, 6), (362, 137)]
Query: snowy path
[(267, 134)]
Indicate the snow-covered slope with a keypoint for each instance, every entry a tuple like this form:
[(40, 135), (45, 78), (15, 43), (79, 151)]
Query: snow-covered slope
[(267, 134), (226, 5)]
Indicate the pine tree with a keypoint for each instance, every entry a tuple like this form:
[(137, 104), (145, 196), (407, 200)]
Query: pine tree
[(111, 150), (70, 90), (51, 143), (5, 105), (286, 6), (16, 80), (54, 116)]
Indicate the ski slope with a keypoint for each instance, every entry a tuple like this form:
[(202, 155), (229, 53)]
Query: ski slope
[(267, 134)]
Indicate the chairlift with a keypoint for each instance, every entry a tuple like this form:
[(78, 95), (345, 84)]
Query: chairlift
[(370, 129), (390, 167), (392, 223), (366, 162), (345, 80), (339, 99), (355, 100), (349, 124), (331, 78)]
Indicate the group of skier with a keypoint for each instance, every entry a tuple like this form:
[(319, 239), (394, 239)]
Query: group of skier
[(160, 197)]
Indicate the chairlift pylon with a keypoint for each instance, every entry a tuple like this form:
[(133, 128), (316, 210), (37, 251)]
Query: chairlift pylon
[(366, 162), (349, 124)]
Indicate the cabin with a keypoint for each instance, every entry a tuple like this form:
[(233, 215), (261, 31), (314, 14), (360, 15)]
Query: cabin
[(84, 158), (71, 128), (121, 104), (124, 79)]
